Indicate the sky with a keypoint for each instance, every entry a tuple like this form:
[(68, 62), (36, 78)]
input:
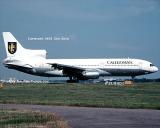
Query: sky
[(92, 29)]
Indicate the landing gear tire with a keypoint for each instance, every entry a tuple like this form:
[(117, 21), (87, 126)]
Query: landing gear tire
[(133, 78), (72, 80)]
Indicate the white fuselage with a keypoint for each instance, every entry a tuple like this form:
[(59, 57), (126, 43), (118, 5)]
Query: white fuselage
[(104, 67)]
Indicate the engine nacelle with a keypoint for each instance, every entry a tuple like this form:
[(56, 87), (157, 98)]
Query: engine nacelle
[(38, 53), (90, 75)]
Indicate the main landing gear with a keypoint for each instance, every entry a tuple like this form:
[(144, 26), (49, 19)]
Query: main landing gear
[(133, 77), (72, 80)]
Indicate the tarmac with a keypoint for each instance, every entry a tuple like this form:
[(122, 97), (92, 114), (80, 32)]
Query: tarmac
[(84, 117)]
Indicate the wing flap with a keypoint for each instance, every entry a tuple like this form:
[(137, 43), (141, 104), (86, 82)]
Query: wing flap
[(63, 66)]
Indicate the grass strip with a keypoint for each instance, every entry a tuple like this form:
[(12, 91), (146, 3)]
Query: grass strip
[(30, 119), (144, 95)]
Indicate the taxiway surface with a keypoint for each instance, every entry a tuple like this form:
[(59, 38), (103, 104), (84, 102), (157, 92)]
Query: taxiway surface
[(84, 117)]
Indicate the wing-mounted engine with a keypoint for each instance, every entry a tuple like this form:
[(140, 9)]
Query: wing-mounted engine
[(90, 75)]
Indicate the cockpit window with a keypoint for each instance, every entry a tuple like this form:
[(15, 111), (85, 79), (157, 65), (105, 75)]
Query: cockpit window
[(151, 65)]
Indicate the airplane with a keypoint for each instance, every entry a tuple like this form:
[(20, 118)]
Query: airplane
[(35, 62)]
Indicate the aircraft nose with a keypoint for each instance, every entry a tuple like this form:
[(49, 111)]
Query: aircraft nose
[(155, 69)]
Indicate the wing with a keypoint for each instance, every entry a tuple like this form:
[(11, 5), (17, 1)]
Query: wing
[(68, 70), (78, 72)]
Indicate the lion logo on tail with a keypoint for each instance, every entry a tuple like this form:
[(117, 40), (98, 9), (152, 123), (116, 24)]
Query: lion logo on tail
[(12, 47)]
